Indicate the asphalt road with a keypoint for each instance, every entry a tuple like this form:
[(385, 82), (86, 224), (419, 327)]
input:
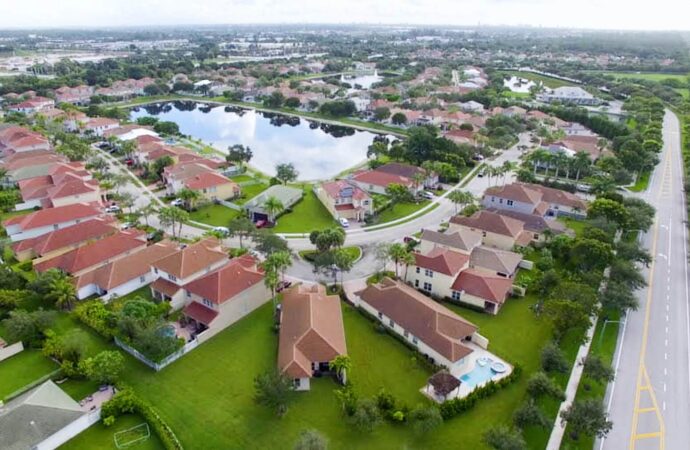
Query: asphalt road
[(649, 402)]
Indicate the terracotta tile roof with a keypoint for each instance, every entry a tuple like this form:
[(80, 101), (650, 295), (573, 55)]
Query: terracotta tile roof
[(515, 191), (403, 170), (71, 187), (532, 222), (192, 259), (462, 239), (226, 282), (536, 193), (383, 179), (128, 268), (38, 160), (66, 237), (165, 287), (480, 284), (51, 216), (208, 179), (442, 260), (96, 253), (429, 321), (500, 261), (200, 313), (334, 188), (25, 155), (311, 330), (491, 222)]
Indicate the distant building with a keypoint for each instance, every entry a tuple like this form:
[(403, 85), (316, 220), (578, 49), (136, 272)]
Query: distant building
[(568, 94), (288, 196), (345, 200)]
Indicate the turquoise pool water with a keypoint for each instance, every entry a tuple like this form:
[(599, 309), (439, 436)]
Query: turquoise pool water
[(478, 375)]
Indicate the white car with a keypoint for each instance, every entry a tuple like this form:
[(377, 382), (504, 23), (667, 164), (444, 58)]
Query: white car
[(177, 202), (344, 222), (428, 195), (126, 226), (222, 230), (112, 209)]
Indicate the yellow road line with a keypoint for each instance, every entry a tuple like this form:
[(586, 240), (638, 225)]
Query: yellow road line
[(648, 435), (645, 410)]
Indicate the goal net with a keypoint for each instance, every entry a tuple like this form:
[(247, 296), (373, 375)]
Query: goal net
[(131, 436)]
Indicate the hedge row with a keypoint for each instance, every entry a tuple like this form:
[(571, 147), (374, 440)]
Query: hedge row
[(95, 315), (457, 406)]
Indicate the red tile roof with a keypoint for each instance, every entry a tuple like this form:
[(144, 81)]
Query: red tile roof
[(52, 216), (442, 260), (491, 222), (192, 259), (200, 313), (206, 180), (483, 285), (165, 287), (383, 179), (66, 237), (334, 188), (226, 282)]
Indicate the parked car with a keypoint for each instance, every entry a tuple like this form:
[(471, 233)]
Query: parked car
[(478, 157), (283, 285), (428, 195), (583, 187), (344, 222), (223, 230), (177, 202), (112, 209), (408, 239), (126, 226), (480, 174), (261, 224)]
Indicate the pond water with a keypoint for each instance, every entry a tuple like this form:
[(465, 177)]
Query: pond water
[(317, 150), (517, 84)]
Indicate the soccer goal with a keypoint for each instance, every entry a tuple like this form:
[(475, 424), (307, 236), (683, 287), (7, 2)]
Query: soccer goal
[(131, 436)]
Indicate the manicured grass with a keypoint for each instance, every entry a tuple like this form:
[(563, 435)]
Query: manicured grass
[(409, 219), (142, 292), (22, 369), (651, 76), (308, 214), (355, 252), (215, 215), (400, 210), (641, 183), (547, 81), (241, 178), (249, 192), (578, 226), (99, 436)]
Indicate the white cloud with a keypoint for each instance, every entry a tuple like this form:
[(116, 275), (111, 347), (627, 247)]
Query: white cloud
[(611, 14)]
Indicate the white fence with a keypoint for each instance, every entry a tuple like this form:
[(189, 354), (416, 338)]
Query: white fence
[(11, 350), (71, 430), (188, 347)]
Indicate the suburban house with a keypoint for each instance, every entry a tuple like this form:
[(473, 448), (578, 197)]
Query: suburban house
[(497, 230), (59, 190), (78, 95), (437, 332), (173, 272), (98, 126), (179, 176), (99, 253), (430, 180), (376, 182), (482, 289), (568, 94), (287, 195), (500, 262), (32, 105), (45, 221), (222, 297), (63, 240), (213, 186), (123, 275), (461, 136), (534, 223), (43, 418), (16, 139), (37, 165), (462, 240), (311, 333), (435, 272), (345, 200), (535, 199)]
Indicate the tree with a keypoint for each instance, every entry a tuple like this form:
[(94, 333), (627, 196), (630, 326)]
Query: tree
[(640, 214), (127, 201), (189, 196), (553, 359), (425, 419), (275, 100), (105, 367), (460, 198), (241, 227), (398, 253), (167, 128), (581, 162), (328, 239), (399, 119), (528, 415), (147, 210), (566, 316), (619, 297), (626, 273), (268, 242), (341, 364), (173, 217), (273, 207), (540, 385), (10, 279), (587, 417), (293, 102), (398, 193), (27, 327), (286, 172), (382, 253), (610, 210), (596, 369), (275, 390), (338, 108), (344, 261), (62, 293), (311, 440), (503, 438), (11, 298), (382, 113), (590, 254), (160, 164), (239, 154), (366, 415)]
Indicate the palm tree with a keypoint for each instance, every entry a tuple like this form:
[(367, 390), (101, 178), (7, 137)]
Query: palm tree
[(506, 168), (146, 211), (581, 162), (340, 365), (270, 279), (281, 261), (407, 261), (537, 157), (189, 196), (273, 206), (107, 186), (62, 292), (560, 159), (398, 253), (460, 198), (417, 180)]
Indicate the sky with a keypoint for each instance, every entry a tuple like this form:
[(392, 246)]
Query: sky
[(603, 14)]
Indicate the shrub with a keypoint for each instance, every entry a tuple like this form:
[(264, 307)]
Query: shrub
[(425, 419), (553, 360), (366, 416), (540, 385), (96, 315), (529, 414)]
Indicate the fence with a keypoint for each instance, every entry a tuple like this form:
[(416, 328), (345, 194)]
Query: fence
[(230, 205), (11, 350), (188, 347)]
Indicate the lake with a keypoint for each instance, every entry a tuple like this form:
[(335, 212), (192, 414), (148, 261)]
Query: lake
[(317, 150)]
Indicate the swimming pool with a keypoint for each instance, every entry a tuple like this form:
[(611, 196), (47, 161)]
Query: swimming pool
[(479, 375)]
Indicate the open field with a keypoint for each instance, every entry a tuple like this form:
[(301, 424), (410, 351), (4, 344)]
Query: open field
[(101, 437), (22, 369), (215, 215), (308, 214), (546, 81), (652, 76)]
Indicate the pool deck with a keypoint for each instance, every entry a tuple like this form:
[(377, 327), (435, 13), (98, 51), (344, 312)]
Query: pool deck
[(464, 390)]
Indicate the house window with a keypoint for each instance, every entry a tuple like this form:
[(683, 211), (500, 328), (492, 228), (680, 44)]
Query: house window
[(417, 269), (406, 334), (455, 295), (381, 315), (536, 235), (142, 279), (208, 303), (391, 323), (414, 340), (189, 294), (483, 233), (416, 283), (172, 277), (55, 227), (427, 287), (429, 273), (155, 270), (509, 203), (500, 200)]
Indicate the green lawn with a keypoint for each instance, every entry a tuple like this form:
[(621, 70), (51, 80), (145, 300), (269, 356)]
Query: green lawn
[(578, 226), (642, 182), (400, 210), (22, 369), (241, 178), (101, 437), (215, 215), (547, 81), (308, 214), (651, 76), (249, 192), (355, 252)]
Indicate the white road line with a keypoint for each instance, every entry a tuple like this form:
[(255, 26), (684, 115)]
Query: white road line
[(665, 371), (665, 342), (663, 405), (664, 387), (665, 356)]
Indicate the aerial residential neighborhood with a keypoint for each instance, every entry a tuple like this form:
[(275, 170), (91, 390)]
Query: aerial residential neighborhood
[(332, 231)]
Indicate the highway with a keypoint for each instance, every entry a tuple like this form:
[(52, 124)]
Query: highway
[(649, 401)]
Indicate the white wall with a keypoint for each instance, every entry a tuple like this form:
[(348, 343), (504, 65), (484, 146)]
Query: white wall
[(11, 350), (16, 234), (70, 431)]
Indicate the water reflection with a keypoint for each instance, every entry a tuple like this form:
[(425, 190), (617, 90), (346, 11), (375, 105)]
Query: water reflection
[(317, 150), (517, 84)]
